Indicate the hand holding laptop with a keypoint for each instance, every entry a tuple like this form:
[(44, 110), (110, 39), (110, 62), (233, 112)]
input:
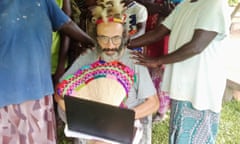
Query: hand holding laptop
[(93, 120)]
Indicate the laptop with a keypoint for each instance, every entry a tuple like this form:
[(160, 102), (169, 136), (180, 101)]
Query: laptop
[(93, 120)]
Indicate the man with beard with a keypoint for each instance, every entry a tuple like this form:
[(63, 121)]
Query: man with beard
[(111, 39)]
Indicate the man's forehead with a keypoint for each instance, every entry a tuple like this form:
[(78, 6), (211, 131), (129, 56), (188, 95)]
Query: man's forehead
[(110, 28)]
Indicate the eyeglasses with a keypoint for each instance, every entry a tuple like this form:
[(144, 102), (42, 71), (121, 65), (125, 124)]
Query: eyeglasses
[(105, 39)]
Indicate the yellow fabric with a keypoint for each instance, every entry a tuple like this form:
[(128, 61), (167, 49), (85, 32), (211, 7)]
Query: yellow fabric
[(59, 3), (55, 50), (55, 43)]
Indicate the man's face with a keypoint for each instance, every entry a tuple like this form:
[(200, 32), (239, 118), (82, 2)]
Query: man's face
[(109, 39)]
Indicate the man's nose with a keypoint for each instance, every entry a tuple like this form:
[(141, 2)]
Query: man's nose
[(110, 44)]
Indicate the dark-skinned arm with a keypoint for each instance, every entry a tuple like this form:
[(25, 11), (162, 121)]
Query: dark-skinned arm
[(62, 57), (73, 31), (199, 42), (64, 46), (196, 45), (150, 37)]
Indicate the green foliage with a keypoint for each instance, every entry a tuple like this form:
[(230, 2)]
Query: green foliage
[(229, 128), (160, 132), (233, 2)]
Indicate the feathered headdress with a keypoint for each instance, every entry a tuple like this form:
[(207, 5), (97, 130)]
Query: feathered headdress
[(108, 11)]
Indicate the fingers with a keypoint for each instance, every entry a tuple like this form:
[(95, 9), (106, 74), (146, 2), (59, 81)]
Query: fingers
[(141, 59), (143, 63), (147, 64), (138, 58), (138, 54)]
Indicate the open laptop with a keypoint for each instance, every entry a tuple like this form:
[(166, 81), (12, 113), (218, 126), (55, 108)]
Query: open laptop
[(99, 121)]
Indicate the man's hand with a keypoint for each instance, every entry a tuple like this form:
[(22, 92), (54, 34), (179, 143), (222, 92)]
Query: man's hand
[(60, 101), (145, 60)]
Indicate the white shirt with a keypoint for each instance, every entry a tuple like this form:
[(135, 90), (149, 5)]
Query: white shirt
[(135, 13), (200, 79)]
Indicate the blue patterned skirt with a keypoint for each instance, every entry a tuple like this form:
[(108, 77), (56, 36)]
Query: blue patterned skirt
[(191, 126)]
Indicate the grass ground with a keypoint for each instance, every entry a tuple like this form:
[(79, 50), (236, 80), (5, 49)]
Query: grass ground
[(229, 128)]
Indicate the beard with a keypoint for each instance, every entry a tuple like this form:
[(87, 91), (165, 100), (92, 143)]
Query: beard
[(115, 55), (108, 58)]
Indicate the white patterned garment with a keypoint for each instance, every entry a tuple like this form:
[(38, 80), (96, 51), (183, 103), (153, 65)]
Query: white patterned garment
[(135, 13)]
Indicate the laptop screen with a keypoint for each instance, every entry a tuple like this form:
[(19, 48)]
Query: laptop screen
[(100, 120)]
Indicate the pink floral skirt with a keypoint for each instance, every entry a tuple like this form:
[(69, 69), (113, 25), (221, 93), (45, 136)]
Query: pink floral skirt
[(163, 97), (32, 122)]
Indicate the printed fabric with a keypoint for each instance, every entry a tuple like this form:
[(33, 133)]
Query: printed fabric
[(32, 122), (190, 126)]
